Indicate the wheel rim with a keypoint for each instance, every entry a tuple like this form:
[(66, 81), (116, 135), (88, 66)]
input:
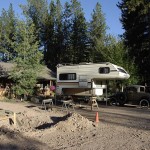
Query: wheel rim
[(144, 103)]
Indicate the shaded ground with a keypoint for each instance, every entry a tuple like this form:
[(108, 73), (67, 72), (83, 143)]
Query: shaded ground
[(124, 128)]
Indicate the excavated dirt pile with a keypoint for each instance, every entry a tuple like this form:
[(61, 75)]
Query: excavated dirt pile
[(67, 123), (74, 122)]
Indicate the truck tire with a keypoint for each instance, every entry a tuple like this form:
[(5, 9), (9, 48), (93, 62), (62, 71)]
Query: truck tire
[(144, 103), (113, 101), (121, 98)]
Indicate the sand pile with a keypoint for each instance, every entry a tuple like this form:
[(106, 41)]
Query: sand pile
[(74, 122)]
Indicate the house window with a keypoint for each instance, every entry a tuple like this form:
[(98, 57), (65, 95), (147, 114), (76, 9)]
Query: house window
[(67, 76), (104, 70)]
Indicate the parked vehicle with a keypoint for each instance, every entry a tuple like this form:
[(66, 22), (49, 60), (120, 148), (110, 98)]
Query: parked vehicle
[(87, 79), (133, 94)]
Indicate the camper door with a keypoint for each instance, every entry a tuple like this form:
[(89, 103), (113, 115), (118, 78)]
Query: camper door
[(83, 81)]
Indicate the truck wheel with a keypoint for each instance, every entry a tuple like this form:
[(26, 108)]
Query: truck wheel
[(113, 101), (144, 103), (121, 99)]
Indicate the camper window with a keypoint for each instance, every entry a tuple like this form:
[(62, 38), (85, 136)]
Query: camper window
[(121, 70), (67, 76), (104, 70)]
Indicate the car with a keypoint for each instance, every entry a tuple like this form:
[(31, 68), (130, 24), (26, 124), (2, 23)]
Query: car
[(133, 94)]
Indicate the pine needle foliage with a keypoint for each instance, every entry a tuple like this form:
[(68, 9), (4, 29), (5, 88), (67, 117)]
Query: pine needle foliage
[(27, 60)]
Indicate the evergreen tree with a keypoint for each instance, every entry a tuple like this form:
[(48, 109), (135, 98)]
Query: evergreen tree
[(97, 33), (133, 4), (54, 53), (2, 48), (7, 29), (27, 60), (59, 34), (37, 11), (50, 53), (79, 35), (67, 26), (136, 22)]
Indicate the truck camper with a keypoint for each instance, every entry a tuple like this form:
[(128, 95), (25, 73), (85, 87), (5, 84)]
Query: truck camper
[(87, 79)]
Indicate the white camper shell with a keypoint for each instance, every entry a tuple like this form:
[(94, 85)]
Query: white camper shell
[(87, 79)]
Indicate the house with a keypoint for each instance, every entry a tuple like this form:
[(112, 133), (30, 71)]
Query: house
[(46, 79)]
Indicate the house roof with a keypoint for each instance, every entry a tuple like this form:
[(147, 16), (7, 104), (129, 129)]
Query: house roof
[(45, 74)]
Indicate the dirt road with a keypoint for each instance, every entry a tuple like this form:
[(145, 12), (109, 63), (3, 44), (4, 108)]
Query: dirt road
[(119, 128), (128, 116)]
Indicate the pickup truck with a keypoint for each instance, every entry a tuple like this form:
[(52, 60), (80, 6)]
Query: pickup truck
[(133, 94)]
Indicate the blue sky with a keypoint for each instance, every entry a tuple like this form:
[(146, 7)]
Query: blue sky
[(109, 8)]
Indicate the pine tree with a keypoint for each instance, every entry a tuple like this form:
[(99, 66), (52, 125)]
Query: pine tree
[(27, 60), (59, 33), (79, 35), (2, 48), (67, 26), (37, 11), (54, 53), (50, 52), (136, 22), (7, 29), (97, 33)]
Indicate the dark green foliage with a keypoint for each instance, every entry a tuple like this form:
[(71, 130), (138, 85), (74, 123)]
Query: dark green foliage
[(50, 43), (27, 60), (67, 32), (37, 10), (56, 38), (7, 30), (97, 33), (136, 22), (79, 38), (63, 36)]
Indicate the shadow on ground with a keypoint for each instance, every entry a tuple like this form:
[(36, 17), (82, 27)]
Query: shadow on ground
[(17, 141), (55, 121)]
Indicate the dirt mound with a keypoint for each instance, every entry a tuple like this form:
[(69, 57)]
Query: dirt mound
[(70, 122), (28, 123), (74, 122)]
